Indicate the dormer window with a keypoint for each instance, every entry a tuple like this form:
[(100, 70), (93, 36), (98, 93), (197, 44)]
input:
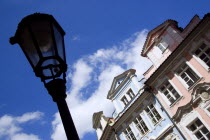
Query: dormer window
[(162, 46), (124, 100), (130, 94)]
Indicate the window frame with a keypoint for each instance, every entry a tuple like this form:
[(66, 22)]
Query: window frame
[(198, 128), (207, 109), (139, 125), (188, 66), (150, 117), (132, 95), (124, 100), (128, 134), (169, 92), (197, 57), (162, 47)]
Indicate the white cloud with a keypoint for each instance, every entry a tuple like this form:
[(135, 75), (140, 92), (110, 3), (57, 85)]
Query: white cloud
[(58, 129), (91, 80), (82, 71), (29, 116), (10, 126), (75, 38), (23, 136)]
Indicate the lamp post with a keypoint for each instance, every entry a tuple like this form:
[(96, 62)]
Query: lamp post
[(41, 39)]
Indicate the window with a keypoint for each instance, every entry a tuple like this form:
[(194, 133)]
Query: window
[(170, 93), (203, 52), (141, 125), (130, 94), (129, 134), (199, 130), (162, 46), (153, 114), (188, 75), (124, 100)]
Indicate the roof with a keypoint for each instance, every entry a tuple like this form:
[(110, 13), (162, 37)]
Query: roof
[(126, 75)]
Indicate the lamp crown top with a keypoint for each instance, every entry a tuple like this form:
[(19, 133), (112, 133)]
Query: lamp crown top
[(31, 18)]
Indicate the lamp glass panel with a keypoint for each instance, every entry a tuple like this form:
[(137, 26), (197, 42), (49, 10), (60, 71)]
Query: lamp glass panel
[(28, 46), (43, 36), (53, 67), (59, 42)]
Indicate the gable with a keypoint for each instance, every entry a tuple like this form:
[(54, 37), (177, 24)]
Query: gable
[(119, 81), (154, 35)]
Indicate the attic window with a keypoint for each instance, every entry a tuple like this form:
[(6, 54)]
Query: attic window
[(124, 100), (162, 46), (131, 94)]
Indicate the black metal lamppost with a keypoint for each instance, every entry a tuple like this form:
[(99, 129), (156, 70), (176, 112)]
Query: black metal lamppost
[(41, 39)]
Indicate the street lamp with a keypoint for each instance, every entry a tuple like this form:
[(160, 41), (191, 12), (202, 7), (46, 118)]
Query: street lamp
[(41, 39)]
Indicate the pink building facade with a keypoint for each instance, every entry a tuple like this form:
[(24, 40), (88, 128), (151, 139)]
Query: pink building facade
[(180, 75)]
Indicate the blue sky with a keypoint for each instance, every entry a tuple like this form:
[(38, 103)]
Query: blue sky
[(103, 38)]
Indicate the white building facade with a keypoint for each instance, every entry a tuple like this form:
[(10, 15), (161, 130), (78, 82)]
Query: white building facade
[(138, 114)]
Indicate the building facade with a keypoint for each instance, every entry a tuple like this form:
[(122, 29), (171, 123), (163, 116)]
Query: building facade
[(180, 77), (138, 114), (174, 101)]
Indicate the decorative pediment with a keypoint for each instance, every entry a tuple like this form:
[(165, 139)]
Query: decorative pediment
[(155, 34), (119, 81)]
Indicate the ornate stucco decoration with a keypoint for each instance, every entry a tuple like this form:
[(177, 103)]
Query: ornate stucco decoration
[(200, 94)]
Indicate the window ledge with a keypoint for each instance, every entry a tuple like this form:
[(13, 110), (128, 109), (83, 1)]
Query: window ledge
[(191, 87), (158, 123), (145, 135), (176, 101)]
